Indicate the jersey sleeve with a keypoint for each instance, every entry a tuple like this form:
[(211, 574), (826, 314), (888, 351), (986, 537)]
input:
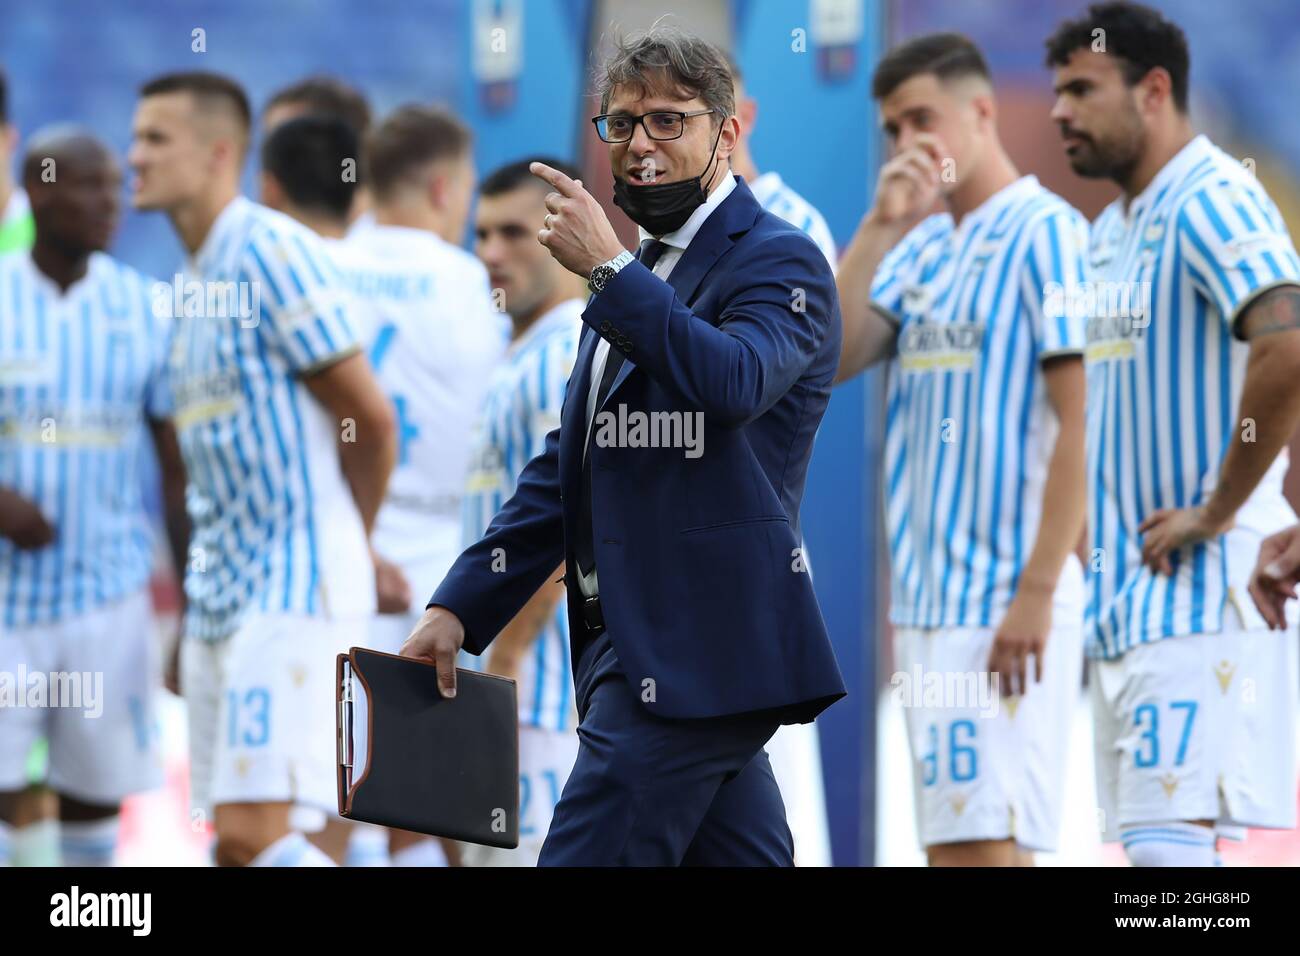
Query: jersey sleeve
[(820, 233), (300, 301), (1235, 246), (890, 280), (1053, 282)]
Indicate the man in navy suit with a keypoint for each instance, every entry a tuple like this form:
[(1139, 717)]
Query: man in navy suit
[(671, 490)]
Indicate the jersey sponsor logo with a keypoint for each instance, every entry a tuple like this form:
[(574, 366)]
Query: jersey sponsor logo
[(28, 370), (487, 470), (923, 346), (1113, 337), (203, 397), (103, 426)]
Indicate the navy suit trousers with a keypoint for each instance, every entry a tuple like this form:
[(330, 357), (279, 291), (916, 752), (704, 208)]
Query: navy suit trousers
[(650, 791)]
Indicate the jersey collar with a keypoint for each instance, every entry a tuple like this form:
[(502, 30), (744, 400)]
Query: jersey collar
[(1182, 163), (1000, 200), (226, 222)]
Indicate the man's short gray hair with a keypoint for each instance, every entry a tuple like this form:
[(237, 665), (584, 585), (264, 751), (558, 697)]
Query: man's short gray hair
[(666, 60)]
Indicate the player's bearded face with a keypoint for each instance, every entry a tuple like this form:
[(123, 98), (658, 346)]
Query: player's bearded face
[(1097, 114), (1109, 147)]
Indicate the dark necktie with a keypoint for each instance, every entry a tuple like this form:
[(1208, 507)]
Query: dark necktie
[(584, 546)]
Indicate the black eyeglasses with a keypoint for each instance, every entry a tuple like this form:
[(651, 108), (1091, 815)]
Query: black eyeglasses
[(661, 124)]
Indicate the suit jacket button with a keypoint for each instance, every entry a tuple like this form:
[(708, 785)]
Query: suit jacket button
[(605, 326)]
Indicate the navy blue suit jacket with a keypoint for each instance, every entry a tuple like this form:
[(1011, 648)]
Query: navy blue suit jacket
[(702, 585)]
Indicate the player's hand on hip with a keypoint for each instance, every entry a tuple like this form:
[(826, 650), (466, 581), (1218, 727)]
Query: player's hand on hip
[(437, 639), (22, 522), (1169, 529), (909, 184), (1277, 571), (1021, 635), (576, 230), (392, 590)]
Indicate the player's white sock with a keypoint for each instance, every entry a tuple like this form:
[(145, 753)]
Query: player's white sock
[(367, 846), (6, 844), (89, 842), (1168, 844), (292, 849), (36, 844), (425, 853)]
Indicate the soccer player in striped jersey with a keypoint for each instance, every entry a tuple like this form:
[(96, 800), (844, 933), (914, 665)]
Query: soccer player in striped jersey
[(82, 367), (434, 346), (288, 442), (773, 194), (795, 749), (545, 302), (309, 164), (1193, 364), (983, 452), (330, 97)]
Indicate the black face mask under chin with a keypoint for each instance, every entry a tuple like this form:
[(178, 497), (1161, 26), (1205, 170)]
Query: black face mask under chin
[(662, 208)]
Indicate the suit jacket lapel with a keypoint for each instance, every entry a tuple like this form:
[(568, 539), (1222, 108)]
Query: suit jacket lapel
[(733, 218)]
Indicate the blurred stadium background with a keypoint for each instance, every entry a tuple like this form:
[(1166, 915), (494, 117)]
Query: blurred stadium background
[(808, 64)]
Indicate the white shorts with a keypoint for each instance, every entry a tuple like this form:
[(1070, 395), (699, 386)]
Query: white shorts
[(796, 757), (990, 768), (545, 759), (262, 711), (98, 711), (1201, 727)]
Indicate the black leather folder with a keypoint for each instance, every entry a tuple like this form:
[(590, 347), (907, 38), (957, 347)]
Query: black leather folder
[(448, 768)]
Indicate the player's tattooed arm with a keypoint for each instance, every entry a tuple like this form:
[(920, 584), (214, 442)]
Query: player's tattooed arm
[(1267, 417), (1277, 310)]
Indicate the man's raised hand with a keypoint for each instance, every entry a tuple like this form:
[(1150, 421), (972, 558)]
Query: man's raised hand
[(576, 230)]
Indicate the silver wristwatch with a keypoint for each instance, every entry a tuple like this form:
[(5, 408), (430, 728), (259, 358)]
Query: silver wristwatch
[(607, 270)]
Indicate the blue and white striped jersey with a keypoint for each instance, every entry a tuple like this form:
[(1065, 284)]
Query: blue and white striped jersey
[(79, 374), (275, 528), (522, 407), (969, 432), (434, 344), (1173, 272), (780, 200)]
